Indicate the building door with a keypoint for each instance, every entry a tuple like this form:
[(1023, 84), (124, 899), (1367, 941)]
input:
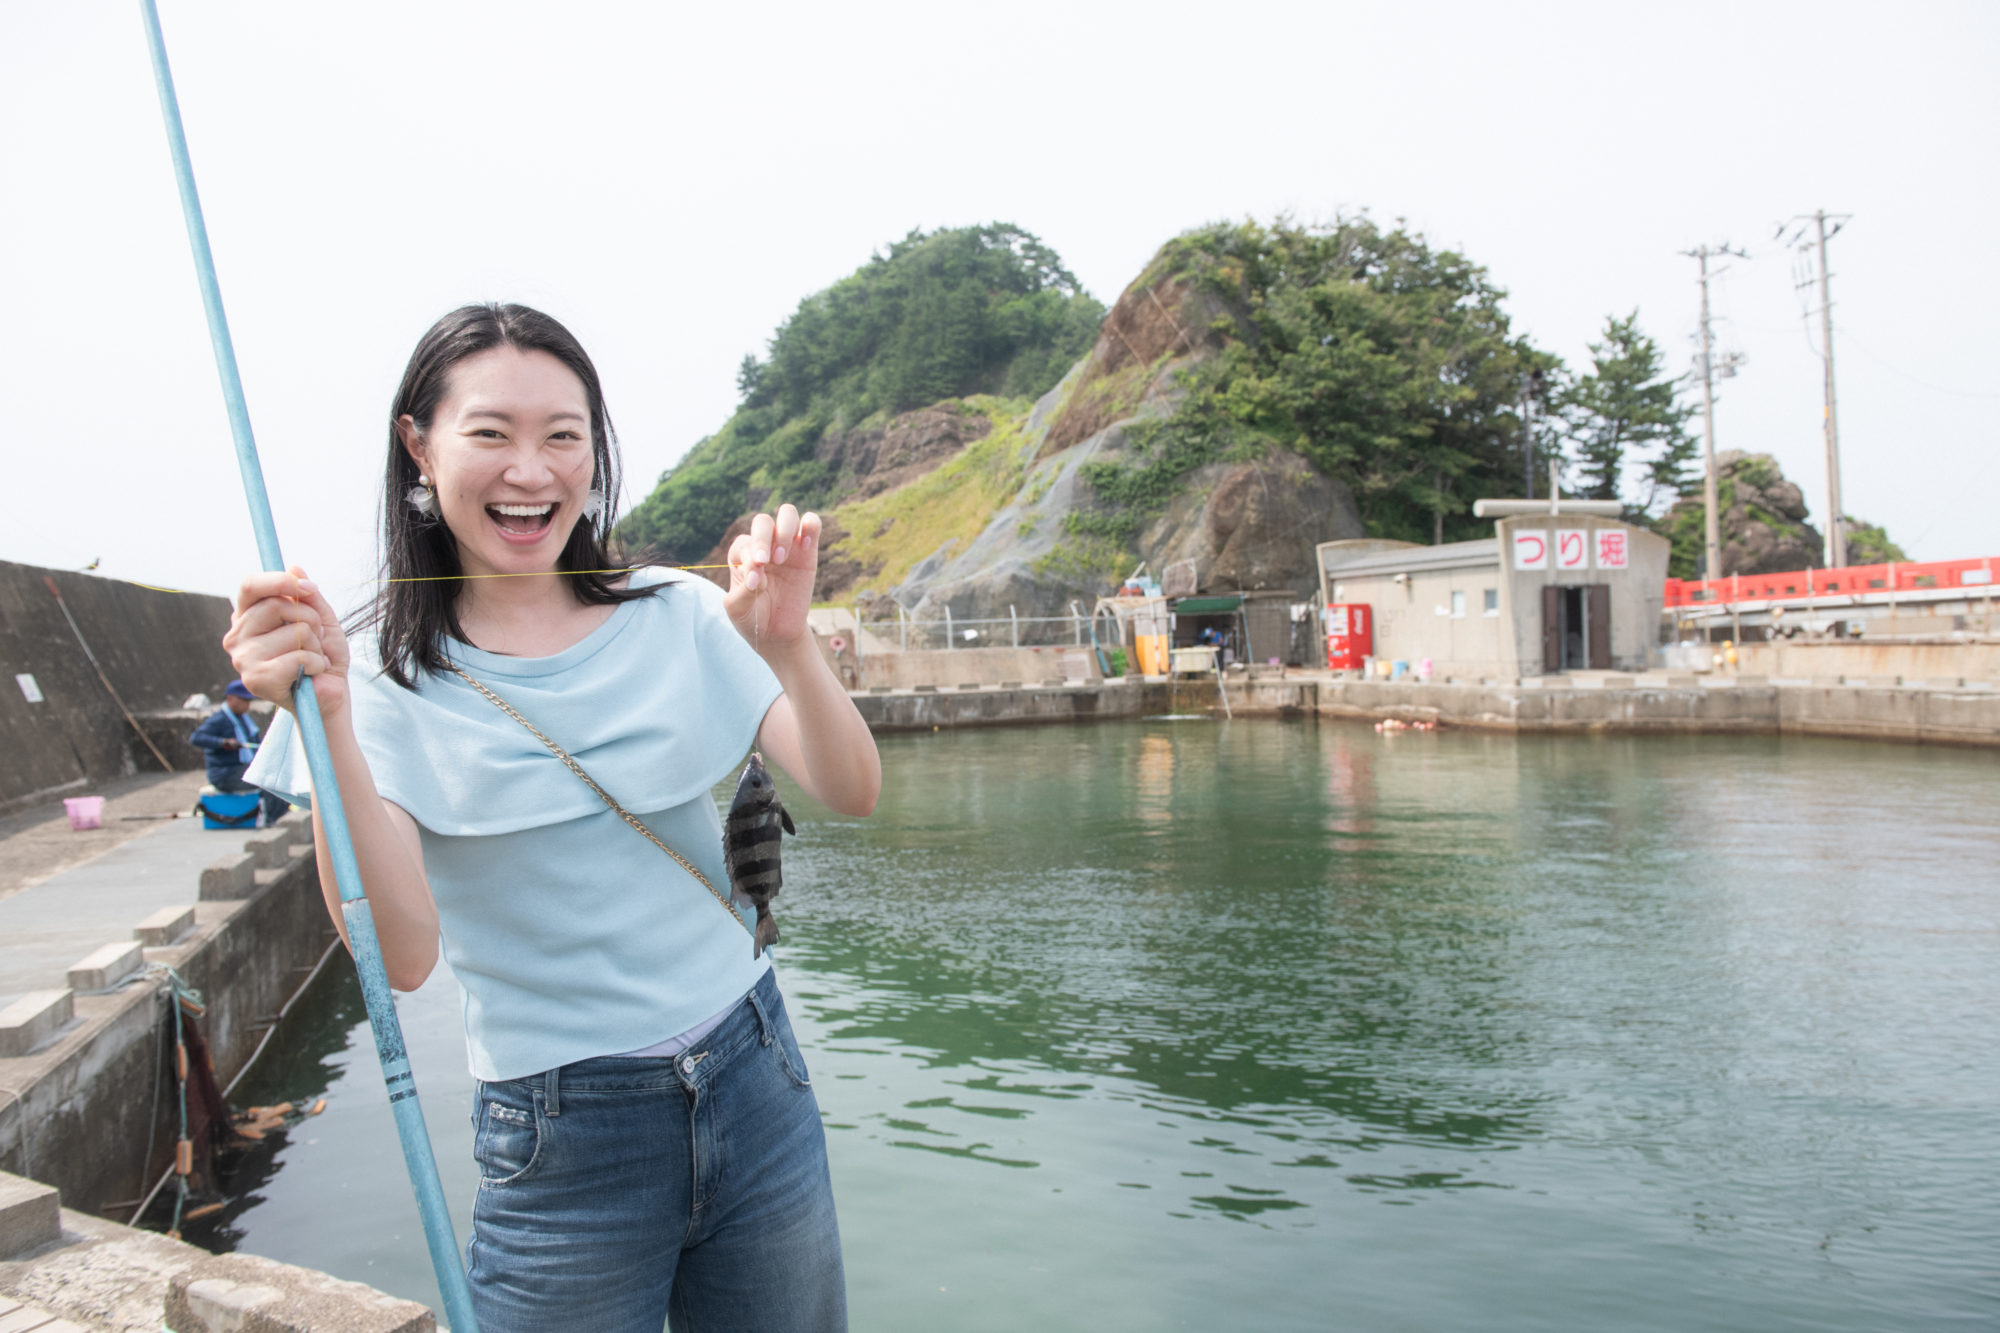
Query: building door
[(1552, 629), (1576, 627), (1597, 626)]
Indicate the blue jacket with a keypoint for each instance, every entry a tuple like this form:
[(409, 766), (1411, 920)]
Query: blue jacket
[(224, 725)]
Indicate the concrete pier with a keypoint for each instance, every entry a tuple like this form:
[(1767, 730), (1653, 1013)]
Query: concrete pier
[(88, 1106), (87, 1096), (63, 1271), (1944, 712)]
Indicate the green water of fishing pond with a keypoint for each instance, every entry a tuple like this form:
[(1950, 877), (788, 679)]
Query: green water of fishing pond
[(1291, 1025)]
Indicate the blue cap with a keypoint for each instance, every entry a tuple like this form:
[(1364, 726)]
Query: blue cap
[(239, 690)]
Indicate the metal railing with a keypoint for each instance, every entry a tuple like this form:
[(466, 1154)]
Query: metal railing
[(1012, 631)]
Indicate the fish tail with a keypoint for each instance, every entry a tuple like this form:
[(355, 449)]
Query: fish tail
[(767, 933)]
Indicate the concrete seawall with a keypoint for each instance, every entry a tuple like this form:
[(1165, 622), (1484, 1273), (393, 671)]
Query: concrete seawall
[(156, 648), (1942, 714), (89, 1104), (92, 1108)]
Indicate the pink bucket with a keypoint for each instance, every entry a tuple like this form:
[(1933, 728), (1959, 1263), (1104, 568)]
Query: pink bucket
[(85, 812)]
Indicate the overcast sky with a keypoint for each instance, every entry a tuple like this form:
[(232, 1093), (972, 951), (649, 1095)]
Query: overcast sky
[(671, 180)]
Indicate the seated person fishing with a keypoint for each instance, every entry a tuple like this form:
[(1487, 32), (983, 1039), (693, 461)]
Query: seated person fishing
[(526, 740), (228, 739)]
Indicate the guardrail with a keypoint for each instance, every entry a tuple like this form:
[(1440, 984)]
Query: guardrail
[(1851, 581)]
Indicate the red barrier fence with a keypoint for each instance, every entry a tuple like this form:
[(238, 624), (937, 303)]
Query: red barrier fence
[(1854, 580)]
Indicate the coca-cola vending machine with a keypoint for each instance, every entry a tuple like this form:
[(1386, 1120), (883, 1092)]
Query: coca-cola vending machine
[(1350, 635)]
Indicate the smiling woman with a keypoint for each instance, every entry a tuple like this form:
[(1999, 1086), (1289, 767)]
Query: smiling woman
[(499, 410), (617, 1012)]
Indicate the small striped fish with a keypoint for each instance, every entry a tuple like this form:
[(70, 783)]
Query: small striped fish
[(750, 840)]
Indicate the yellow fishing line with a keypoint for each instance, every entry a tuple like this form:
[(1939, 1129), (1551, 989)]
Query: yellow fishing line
[(441, 578), (538, 573)]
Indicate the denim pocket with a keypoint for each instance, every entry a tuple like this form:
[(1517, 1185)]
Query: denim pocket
[(509, 1144), (788, 1049)]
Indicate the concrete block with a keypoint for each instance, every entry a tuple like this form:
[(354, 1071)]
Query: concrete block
[(231, 877), (30, 1215), (925, 689), (1875, 682), (1053, 683), (33, 1019), (106, 966), (1945, 682), (970, 685), (1010, 684), (164, 927), (881, 689), (240, 1293), (1827, 682), (271, 847)]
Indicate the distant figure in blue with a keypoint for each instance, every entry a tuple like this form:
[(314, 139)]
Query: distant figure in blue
[(228, 738)]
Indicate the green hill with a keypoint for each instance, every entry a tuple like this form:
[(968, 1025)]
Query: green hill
[(947, 314), (980, 433)]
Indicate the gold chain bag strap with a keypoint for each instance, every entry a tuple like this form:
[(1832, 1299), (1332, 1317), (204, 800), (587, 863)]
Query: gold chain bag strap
[(591, 783)]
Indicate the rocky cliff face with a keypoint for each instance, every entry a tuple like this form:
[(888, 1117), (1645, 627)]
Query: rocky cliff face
[(1245, 524), (982, 505), (1762, 521)]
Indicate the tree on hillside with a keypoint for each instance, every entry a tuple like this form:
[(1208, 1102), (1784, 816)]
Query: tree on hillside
[(943, 314), (1623, 420), (1388, 365)]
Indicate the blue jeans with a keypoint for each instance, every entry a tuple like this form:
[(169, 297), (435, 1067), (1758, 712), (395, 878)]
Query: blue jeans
[(620, 1194)]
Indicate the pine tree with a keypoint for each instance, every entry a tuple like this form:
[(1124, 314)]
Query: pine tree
[(1624, 417)]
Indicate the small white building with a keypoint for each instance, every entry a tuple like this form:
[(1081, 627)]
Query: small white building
[(1546, 593)]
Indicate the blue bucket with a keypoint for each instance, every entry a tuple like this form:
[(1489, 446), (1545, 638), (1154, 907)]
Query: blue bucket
[(236, 810)]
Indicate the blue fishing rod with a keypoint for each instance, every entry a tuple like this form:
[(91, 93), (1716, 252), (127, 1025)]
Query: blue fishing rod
[(305, 704)]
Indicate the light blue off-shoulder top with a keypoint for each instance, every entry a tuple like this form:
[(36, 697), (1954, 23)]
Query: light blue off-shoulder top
[(571, 934)]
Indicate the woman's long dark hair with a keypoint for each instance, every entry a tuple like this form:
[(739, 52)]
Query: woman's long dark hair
[(412, 620)]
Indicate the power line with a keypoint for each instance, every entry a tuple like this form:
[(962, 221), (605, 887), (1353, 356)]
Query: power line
[(1897, 371)]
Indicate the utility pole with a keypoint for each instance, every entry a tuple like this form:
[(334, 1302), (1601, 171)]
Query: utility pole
[(1836, 517), (1532, 393), (1712, 538)]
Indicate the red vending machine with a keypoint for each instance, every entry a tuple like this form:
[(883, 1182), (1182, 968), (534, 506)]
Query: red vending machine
[(1350, 635)]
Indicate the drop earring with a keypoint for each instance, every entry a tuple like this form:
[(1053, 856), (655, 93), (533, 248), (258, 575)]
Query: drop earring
[(422, 498), (593, 505)]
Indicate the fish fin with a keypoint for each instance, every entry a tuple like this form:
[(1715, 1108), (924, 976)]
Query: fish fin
[(785, 817)]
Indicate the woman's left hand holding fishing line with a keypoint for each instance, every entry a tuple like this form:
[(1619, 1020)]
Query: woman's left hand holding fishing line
[(771, 573)]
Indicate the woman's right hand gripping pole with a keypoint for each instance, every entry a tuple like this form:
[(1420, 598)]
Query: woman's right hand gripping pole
[(284, 627)]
